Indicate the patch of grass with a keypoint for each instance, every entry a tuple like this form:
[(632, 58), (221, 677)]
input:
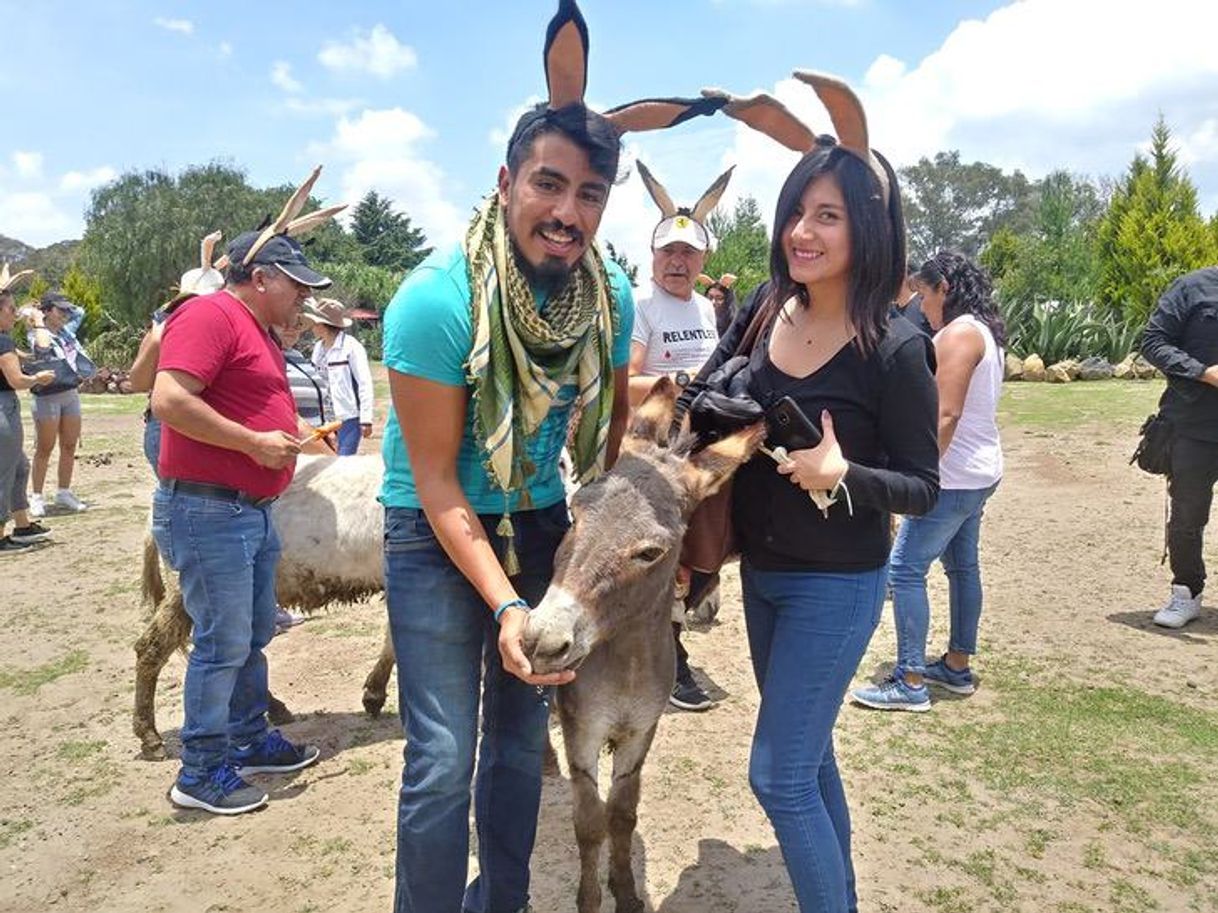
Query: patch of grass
[(113, 404), (1129, 898), (1094, 856), (946, 900), (1036, 842), (11, 829), (1115, 402), (78, 751), (27, 681), (360, 765)]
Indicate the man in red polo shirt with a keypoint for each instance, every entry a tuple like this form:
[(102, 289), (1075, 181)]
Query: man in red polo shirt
[(228, 449)]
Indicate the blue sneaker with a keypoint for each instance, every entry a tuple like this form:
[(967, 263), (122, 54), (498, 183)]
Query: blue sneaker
[(273, 755), (221, 793), (893, 694), (946, 677)]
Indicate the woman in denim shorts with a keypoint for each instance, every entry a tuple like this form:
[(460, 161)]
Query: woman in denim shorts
[(56, 414)]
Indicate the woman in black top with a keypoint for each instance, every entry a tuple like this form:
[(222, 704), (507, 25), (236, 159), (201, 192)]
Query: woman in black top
[(814, 581)]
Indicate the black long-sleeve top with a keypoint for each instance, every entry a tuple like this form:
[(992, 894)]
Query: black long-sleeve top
[(885, 413), (1181, 340)]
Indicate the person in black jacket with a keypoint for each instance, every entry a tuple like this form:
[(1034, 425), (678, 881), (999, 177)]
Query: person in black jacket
[(1181, 340), (813, 580)]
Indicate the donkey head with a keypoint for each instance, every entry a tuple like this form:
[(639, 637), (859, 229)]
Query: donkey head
[(617, 564)]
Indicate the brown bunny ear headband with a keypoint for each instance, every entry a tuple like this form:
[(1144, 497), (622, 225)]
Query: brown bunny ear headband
[(8, 282), (768, 115), (566, 65), (727, 280), (685, 224)]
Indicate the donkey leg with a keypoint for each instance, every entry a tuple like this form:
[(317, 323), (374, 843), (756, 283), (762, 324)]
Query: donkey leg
[(167, 631), (378, 679), (583, 748), (277, 711), (628, 757)]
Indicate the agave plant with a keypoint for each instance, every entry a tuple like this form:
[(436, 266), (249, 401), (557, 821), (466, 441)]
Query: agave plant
[(1057, 330)]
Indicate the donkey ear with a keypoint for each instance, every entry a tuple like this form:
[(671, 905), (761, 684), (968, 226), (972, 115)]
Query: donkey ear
[(767, 115), (566, 56), (207, 247), (660, 113), (710, 199), (848, 117), (706, 470), (668, 209), (652, 419)]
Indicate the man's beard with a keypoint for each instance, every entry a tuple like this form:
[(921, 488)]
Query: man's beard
[(548, 277)]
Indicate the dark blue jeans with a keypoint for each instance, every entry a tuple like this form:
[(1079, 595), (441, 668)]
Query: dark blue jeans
[(152, 443), (348, 437), (225, 554), (807, 633), (448, 655)]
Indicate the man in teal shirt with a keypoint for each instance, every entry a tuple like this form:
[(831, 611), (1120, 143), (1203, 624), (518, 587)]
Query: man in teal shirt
[(491, 344)]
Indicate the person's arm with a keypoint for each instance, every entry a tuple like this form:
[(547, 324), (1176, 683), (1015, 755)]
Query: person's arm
[(143, 369), (177, 402), (958, 351), (10, 366), (363, 383), (74, 322), (432, 418), (1164, 333)]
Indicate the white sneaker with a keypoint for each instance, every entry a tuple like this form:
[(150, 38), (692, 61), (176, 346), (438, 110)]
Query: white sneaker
[(1182, 608), (69, 501), (37, 507)]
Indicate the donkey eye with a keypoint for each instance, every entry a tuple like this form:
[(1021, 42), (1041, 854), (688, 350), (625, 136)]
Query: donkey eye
[(648, 555)]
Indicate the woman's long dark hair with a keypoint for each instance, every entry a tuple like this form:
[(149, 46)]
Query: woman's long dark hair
[(969, 290), (877, 238)]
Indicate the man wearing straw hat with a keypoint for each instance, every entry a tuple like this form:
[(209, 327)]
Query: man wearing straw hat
[(341, 359), (228, 450)]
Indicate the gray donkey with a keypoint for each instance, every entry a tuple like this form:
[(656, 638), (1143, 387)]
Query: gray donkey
[(608, 612)]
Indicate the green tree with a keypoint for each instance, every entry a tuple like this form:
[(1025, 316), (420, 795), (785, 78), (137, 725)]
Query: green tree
[(743, 248), (958, 206), (85, 291), (1151, 233), (142, 230), (385, 237), (630, 269)]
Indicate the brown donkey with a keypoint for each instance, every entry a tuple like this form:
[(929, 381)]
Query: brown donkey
[(608, 612)]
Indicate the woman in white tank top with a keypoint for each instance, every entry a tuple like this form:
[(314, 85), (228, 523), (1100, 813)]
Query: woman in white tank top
[(969, 334)]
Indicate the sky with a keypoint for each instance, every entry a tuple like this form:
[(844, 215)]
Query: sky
[(416, 99)]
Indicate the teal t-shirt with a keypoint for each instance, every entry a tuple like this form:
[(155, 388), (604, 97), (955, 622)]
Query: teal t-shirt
[(428, 333)]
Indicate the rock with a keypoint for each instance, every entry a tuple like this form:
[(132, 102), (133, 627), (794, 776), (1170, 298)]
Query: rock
[(1013, 368), (1124, 370), (124, 386), (1033, 368), (1094, 368), (1059, 373), (1142, 369)]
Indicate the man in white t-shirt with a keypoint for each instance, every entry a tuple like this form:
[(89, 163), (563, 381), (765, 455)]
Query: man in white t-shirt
[(674, 334)]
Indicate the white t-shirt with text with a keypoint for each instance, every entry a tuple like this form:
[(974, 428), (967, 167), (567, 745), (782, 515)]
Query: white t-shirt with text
[(679, 335)]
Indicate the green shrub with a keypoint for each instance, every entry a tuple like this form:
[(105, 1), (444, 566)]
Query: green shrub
[(1057, 330), (116, 347)]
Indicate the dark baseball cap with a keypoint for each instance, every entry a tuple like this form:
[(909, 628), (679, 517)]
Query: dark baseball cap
[(281, 251), (54, 300)]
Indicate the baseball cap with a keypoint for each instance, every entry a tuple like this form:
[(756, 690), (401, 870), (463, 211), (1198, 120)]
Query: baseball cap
[(682, 228), (281, 251)]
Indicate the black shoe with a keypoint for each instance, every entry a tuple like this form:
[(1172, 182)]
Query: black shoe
[(28, 535), (686, 695), (9, 546), (274, 755)]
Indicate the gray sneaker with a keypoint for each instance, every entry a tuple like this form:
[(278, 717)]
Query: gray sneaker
[(9, 546), (221, 793)]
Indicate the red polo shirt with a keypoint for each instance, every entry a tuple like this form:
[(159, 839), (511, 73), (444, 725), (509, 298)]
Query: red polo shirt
[(219, 342)]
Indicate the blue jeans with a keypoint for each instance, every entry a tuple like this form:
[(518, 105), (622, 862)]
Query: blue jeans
[(348, 437), (447, 652), (225, 555), (807, 630), (152, 443), (951, 532)]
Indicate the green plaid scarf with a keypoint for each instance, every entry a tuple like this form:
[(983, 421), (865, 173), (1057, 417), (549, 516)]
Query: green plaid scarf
[(521, 357)]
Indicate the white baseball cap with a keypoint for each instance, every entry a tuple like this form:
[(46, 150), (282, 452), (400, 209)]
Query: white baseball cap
[(681, 228)]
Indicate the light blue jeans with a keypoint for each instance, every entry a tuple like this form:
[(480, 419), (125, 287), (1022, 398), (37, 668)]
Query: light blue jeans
[(807, 631), (950, 532), (225, 554), (448, 657)]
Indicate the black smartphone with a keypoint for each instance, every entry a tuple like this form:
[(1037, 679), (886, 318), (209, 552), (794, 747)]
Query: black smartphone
[(788, 426)]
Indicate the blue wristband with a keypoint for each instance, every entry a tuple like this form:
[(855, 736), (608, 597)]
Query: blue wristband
[(516, 603)]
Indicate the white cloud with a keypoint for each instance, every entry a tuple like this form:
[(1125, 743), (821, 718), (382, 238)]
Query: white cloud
[(313, 107), (27, 164), (377, 52), (281, 76), (225, 50), (182, 26), (77, 181), (36, 218), (379, 150), (500, 135)]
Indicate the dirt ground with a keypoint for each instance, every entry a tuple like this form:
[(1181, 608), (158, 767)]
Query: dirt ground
[(1074, 780)]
